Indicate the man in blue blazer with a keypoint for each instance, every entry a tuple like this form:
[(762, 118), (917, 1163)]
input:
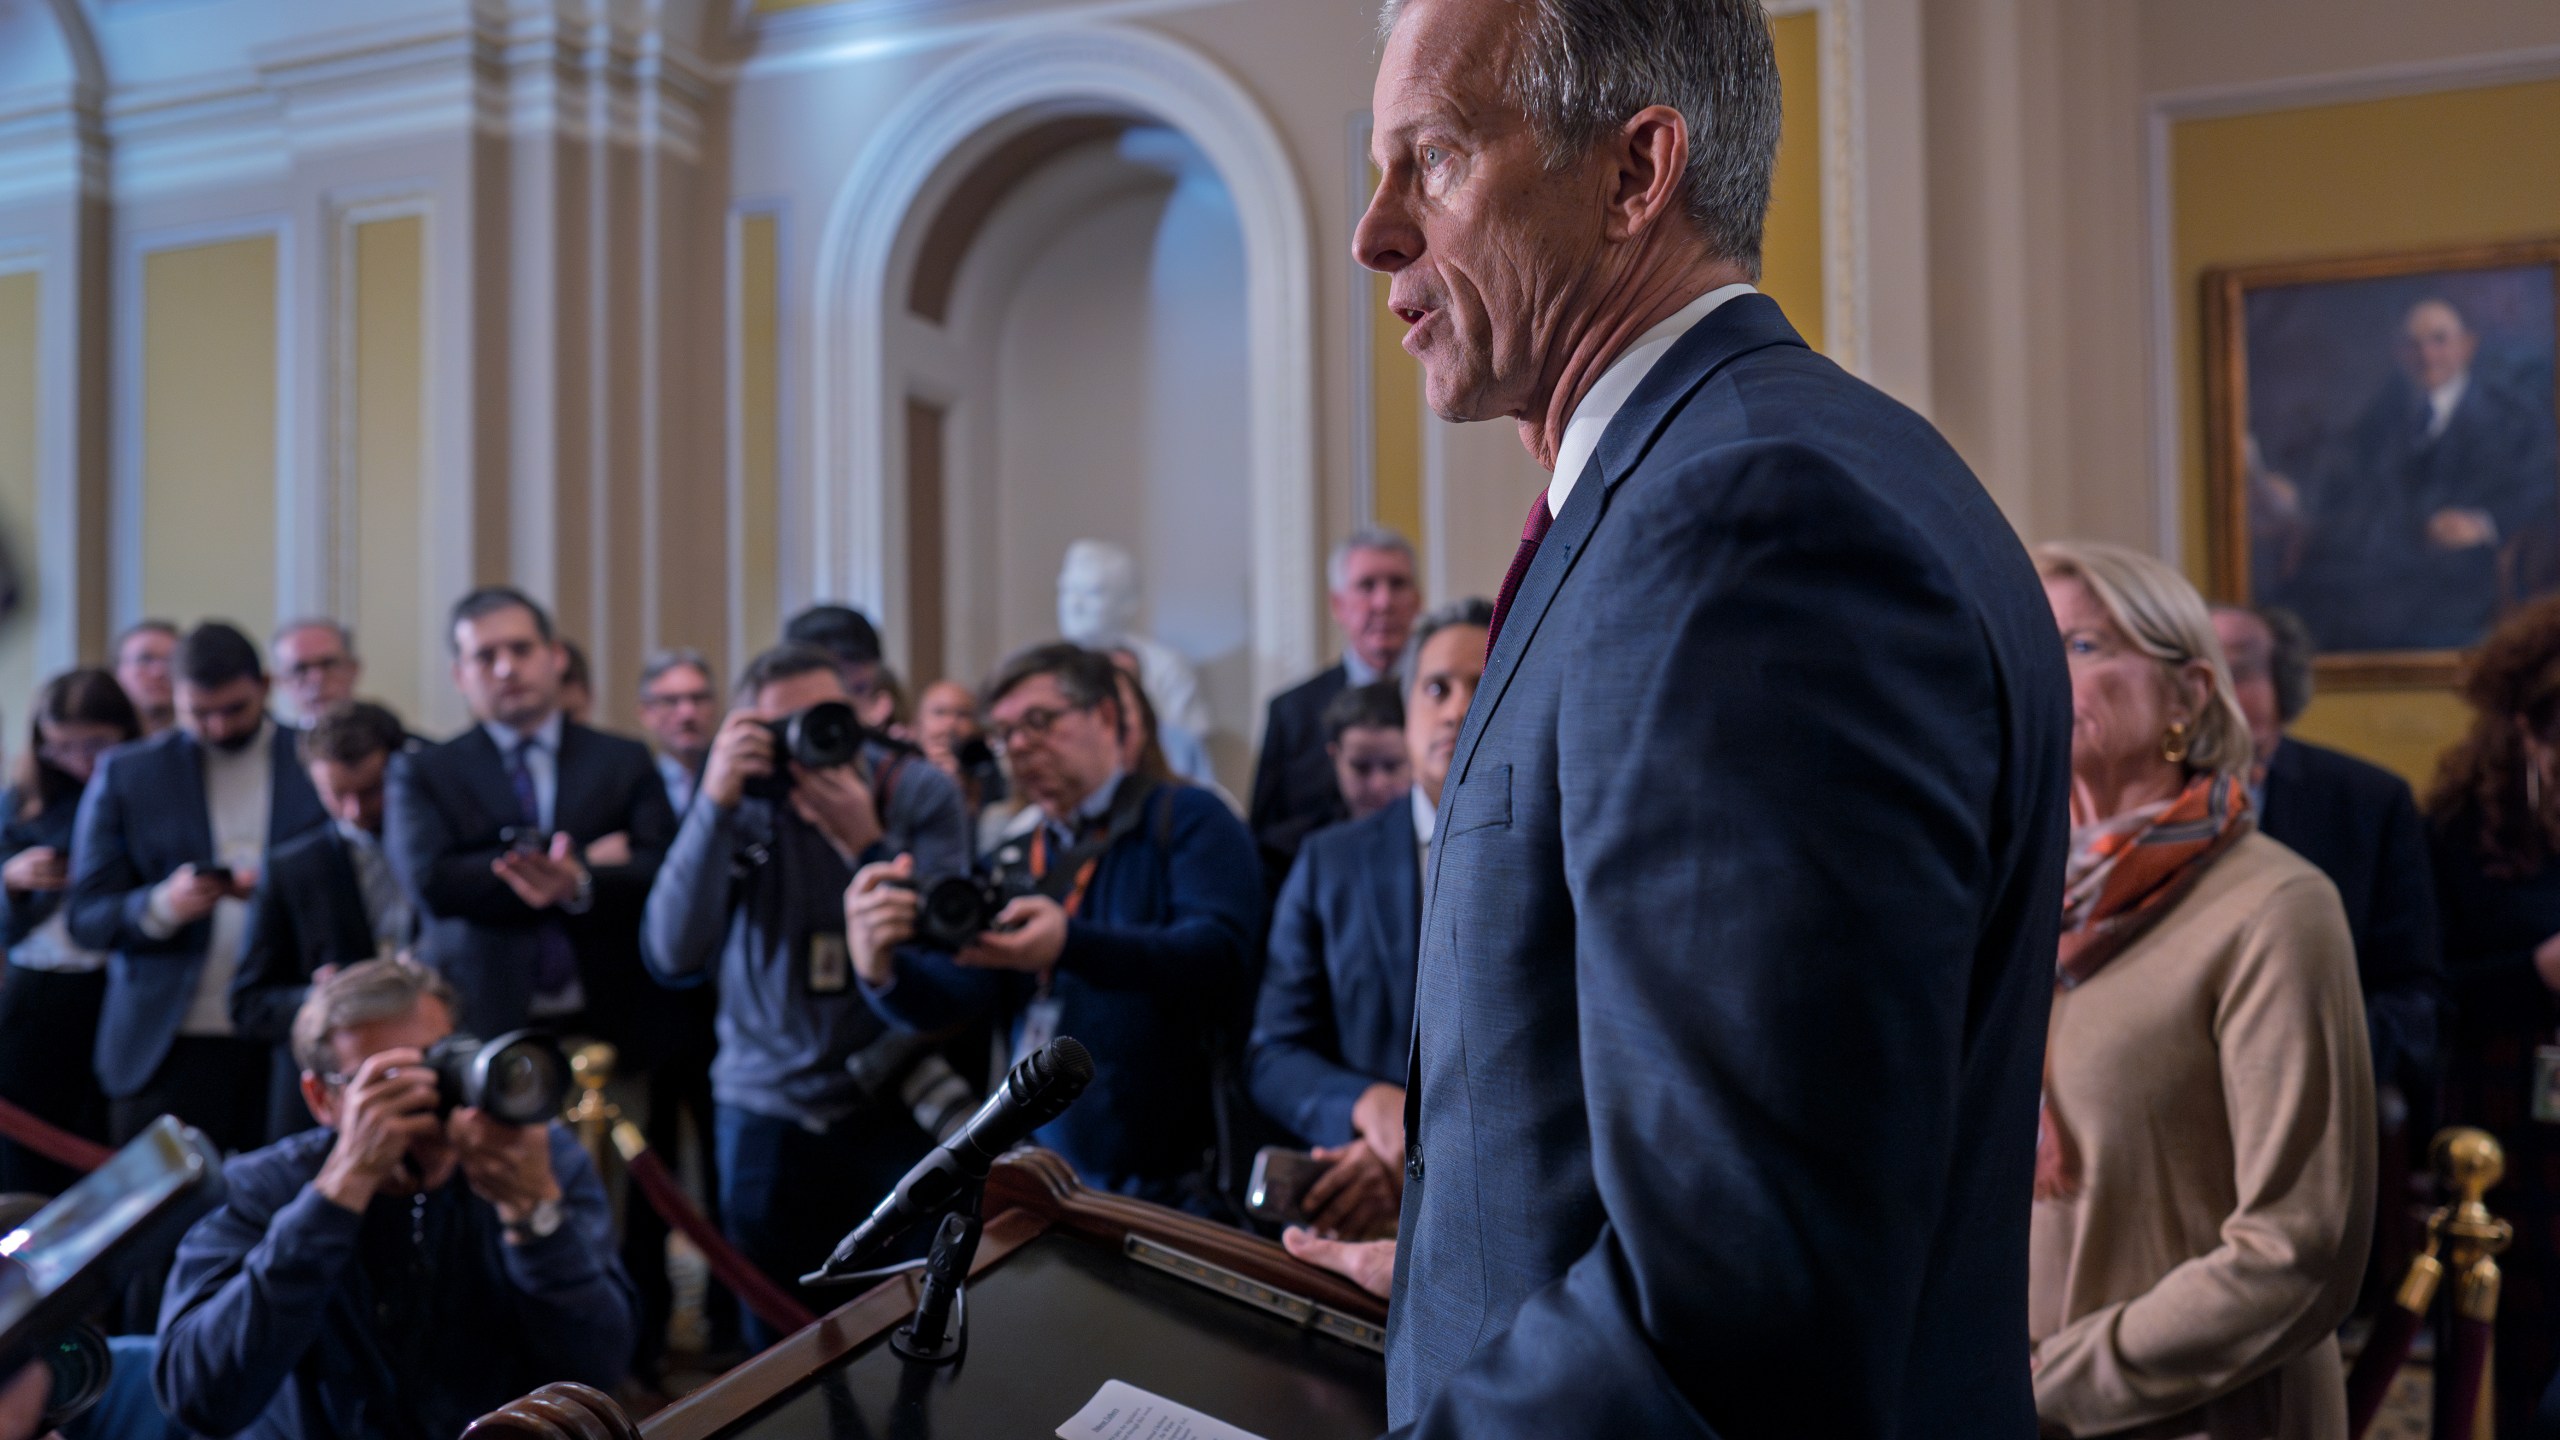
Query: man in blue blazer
[(1333, 1031), (1747, 878), (172, 835), (1141, 937)]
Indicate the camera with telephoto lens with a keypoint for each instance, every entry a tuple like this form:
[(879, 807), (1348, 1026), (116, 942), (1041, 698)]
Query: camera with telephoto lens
[(950, 913), (820, 737), (520, 1078)]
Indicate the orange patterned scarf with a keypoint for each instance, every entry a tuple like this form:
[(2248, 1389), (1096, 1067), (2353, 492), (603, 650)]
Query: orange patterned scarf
[(2124, 874)]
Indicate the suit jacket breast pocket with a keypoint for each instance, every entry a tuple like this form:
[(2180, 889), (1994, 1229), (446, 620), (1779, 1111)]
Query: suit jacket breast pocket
[(1481, 802)]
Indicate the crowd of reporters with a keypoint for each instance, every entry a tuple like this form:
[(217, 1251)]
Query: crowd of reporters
[(259, 927)]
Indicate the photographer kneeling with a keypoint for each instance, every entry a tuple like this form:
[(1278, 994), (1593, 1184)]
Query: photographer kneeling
[(350, 1286), (819, 1107)]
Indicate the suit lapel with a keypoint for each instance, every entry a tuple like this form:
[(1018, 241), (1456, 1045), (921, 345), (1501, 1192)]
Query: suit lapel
[(1398, 918), (485, 771), (196, 815), (345, 892), (292, 805), (1734, 329), (575, 782)]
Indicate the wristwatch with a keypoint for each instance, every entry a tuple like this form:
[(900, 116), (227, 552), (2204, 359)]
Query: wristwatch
[(542, 1224)]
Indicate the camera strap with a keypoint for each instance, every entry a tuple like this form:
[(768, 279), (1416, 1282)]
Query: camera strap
[(1066, 878)]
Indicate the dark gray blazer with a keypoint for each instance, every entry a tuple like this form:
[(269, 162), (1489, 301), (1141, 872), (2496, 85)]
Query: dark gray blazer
[(141, 818), (1294, 790), (1740, 939)]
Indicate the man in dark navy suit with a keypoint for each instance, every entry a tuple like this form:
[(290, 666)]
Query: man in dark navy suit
[(2360, 825), (1333, 1032), (529, 842), (1745, 886), (1370, 581), (173, 833)]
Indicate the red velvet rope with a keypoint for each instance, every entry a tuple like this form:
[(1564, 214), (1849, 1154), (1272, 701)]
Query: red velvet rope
[(2458, 1384), (2385, 1351), (59, 1146), (771, 1303)]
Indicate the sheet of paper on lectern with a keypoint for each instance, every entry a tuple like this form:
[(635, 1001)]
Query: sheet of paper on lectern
[(1121, 1411)]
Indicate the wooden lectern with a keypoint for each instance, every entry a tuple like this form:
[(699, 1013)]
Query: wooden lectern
[(1070, 1288)]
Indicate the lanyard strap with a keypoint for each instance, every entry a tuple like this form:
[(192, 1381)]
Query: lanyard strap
[(1073, 900)]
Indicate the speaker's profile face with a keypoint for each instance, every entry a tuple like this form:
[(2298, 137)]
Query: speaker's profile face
[(1493, 253)]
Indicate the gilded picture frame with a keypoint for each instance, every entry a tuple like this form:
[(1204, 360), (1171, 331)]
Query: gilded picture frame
[(2383, 448)]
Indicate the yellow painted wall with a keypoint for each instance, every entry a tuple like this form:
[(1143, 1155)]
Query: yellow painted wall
[(18, 341), (2411, 172), (1791, 246), (1395, 399), (208, 432), (389, 602), (760, 421)]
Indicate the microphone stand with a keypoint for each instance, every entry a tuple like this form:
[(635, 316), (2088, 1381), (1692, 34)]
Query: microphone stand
[(939, 1330)]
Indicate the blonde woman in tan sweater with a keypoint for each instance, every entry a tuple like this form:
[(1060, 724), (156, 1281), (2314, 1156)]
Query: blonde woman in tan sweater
[(2204, 1162)]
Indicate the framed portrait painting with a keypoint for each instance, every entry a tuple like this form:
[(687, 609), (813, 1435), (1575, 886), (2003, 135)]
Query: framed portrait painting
[(2384, 448)]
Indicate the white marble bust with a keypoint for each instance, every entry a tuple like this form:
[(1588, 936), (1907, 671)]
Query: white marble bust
[(1098, 603)]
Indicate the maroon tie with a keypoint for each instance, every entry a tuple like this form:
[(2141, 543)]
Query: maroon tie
[(1535, 530)]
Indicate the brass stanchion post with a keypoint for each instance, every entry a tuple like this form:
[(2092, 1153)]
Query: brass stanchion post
[(2470, 1161), (592, 1115)]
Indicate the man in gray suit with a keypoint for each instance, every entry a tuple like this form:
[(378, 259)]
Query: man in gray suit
[(1746, 879)]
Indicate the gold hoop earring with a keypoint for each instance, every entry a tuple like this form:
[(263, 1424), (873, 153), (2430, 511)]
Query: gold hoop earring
[(2173, 746)]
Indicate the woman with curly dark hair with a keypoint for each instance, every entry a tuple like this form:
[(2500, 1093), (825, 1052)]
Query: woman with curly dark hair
[(2494, 814)]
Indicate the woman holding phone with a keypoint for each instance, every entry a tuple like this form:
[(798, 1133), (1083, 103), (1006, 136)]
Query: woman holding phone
[(50, 987)]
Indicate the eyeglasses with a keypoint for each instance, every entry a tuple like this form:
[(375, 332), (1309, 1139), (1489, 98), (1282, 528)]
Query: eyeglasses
[(1000, 736), (314, 669)]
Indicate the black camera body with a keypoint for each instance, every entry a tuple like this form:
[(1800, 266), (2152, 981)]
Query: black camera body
[(820, 737), (980, 767), (520, 1078), (952, 912)]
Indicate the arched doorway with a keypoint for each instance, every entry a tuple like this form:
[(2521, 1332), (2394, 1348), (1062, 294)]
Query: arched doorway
[(1125, 129), (1072, 362)]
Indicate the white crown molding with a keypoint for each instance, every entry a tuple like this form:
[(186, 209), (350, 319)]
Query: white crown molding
[(521, 72), (49, 151), (977, 99), (2162, 111), (817, 37)]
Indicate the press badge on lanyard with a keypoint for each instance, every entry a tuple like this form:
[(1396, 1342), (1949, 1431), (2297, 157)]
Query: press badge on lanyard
[(830, 965), (1040, 1017)]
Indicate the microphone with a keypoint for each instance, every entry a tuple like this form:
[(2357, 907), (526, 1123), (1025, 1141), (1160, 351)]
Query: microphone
[(1038, 1090)]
